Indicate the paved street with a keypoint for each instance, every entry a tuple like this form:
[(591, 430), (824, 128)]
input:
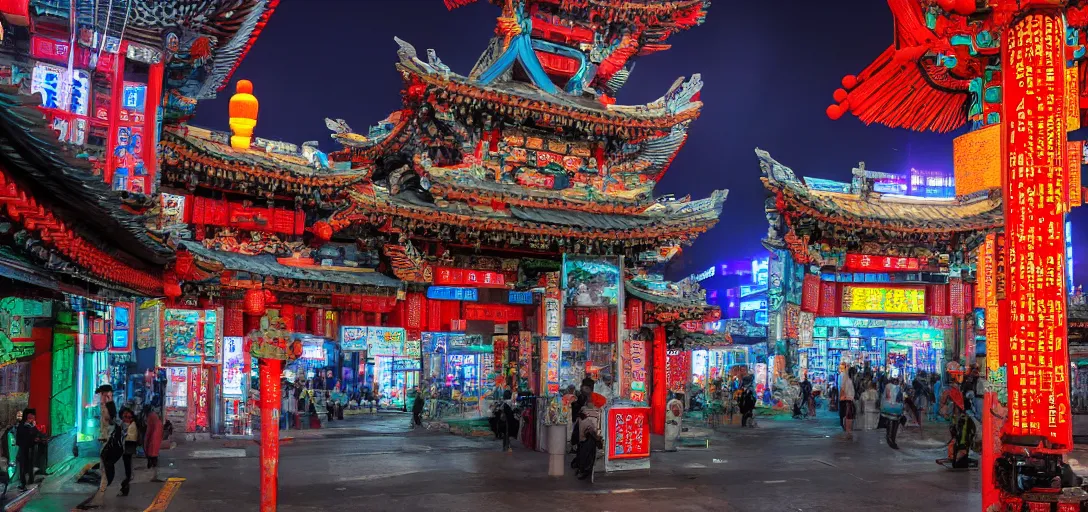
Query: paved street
[(377, 464)]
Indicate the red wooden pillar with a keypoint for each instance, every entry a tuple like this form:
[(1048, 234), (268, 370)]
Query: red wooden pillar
[(659, 388), (41, 374), (270, 370)]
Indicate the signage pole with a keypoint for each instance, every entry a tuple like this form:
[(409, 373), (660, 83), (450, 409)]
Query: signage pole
[(270, 370)]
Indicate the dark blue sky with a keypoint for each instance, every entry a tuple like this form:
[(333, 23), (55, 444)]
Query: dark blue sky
[(769, 69)]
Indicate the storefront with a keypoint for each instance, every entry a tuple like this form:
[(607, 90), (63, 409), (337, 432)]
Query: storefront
[(235, 390), (904, 347), (390, 364), (190, 356)]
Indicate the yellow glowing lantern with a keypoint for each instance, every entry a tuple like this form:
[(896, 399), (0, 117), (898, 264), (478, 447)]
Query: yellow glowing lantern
[(243, 115)]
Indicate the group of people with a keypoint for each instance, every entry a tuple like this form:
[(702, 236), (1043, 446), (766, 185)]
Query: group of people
[(300, 400), (897, 401), (121, 434)]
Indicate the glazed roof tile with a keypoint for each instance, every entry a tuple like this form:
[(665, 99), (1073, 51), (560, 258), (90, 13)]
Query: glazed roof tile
[(267, 265), (30, 148), (891, 211), (214, 144)]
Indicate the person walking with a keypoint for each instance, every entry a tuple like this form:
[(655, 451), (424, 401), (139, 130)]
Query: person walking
[(847, 407), (288, 406), (112, 444), (747, 405), (806, 397), (869, 409), (507, 422), (417, 408), (589, 438), (581, 398), (152, 441), (891, 409), (132, 440), (27, 438)]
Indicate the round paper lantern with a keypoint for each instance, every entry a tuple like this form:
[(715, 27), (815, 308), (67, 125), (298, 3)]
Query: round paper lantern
[(254, 302), (322, 231)]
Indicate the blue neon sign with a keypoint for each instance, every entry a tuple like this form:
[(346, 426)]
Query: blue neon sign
[(453, 293), (520, 297)]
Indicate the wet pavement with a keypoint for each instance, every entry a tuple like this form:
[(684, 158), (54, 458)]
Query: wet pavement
[(376, 463)]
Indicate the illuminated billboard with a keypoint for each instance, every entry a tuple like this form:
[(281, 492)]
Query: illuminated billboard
[(884, 300)]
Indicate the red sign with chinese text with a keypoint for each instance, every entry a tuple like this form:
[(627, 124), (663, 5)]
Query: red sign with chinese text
[(449, 276), (1074, 158), (810, 293), (628, 432), (871, 263), (1035, 188), (677, 366), (494, 312), (47, 48)]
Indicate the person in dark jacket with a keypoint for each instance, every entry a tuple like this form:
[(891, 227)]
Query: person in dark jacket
[(747, 406), (417, 408), (27, 438), (576, 406)]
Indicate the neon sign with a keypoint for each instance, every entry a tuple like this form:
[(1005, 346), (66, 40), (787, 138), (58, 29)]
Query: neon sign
[(874, 299), (870, 263), (1035, 190), (453, 293)]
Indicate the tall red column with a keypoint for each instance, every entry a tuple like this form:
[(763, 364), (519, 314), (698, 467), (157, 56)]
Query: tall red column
[(659, 388), (270, 370)]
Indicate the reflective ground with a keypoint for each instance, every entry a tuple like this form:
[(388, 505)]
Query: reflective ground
[(376, 463)]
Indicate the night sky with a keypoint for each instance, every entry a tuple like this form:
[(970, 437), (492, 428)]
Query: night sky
[(769, 69)]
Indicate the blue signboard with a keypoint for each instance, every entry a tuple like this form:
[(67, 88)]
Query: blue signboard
[(120, 339), (520, 297), (134, 97), (453, 293), (353, 338), (406, 365)]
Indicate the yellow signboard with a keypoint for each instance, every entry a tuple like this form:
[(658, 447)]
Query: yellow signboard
[(976, 158), (876, 299)]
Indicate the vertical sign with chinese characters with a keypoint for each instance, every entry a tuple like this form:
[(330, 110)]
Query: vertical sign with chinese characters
[(1075, 155), (1035, 185), (551, 365), (638, 371), (987, 299)]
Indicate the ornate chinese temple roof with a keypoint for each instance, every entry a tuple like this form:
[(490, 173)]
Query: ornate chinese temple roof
[(495, 158), (268, 265), (60, 196), (204, 41), (210, 151), (875, 210)]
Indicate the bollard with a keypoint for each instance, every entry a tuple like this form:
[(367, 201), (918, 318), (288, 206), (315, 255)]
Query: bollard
[(557, 444)]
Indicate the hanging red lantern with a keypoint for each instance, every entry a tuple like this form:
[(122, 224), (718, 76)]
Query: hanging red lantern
[(171, 288), (254, 302), (322, 231), (183, 264)]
